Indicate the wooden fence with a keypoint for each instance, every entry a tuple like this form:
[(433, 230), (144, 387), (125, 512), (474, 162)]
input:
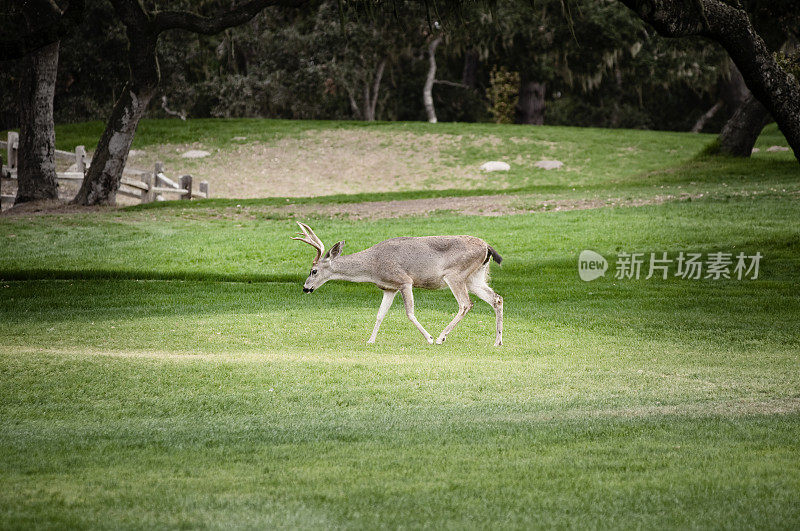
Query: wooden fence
[(147, 186)]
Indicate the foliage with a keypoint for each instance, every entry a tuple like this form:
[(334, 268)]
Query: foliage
[(790, 62), (300, 63), (503, 93)]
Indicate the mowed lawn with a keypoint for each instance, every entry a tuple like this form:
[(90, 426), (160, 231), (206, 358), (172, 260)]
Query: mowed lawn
[(161, 367)]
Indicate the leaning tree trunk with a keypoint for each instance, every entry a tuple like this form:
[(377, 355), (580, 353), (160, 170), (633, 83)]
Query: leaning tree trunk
[(741, 131), (730, 26), (36, 174), (427, 89), (531, 103), (103, 178)]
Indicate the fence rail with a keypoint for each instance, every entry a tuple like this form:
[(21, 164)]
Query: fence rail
[(147, 186)]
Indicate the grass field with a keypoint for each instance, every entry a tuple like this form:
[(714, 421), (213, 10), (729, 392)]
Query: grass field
[(161, 367)]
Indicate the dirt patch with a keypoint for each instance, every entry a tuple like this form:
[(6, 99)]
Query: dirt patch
[(482, 205), (322, 163), (326, 162)]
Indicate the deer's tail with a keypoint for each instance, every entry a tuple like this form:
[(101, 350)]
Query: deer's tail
[(490, 252)]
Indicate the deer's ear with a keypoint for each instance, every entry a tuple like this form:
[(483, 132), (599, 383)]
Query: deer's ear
[(336, 250)]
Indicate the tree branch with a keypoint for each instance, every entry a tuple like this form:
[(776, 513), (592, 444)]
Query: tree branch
[(669, 18), (731, 27), (450, 83), (54, 24), (131, 14), (376, 87), (185, 20), (353, 104)]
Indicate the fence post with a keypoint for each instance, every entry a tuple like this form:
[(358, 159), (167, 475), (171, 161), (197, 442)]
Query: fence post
[(185, 182), (204, 188), (80, 159), (148, 195), (13, 146), (158, 168)]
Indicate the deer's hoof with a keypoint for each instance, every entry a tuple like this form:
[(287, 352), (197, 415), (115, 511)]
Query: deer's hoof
[(440, 340), (498, 343), (430, 340)]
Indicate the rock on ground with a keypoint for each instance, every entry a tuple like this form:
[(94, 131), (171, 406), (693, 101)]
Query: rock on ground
[(495, 165), (548, 164), (195, 154)]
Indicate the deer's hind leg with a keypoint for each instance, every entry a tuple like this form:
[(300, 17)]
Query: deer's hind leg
[(408, 300), (477, 285), (459, 289)]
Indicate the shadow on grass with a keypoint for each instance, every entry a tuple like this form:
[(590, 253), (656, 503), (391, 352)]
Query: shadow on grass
[(123, 274)]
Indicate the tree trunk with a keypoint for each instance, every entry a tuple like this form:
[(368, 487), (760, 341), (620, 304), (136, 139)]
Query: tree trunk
[(36, 172), (741, 132), (143, 28), (531, 102), (102, 180), (469, 76), (733, 90), (730, 26), (353, 104), (709, 114), (427, 90), (371, 97)]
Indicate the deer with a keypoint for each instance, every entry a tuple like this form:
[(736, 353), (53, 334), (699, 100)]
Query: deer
[(460, 263)]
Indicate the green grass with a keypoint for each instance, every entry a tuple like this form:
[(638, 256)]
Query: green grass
[(162, 368)]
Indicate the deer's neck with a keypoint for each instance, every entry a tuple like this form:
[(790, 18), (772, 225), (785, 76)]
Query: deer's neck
[(353, 268)]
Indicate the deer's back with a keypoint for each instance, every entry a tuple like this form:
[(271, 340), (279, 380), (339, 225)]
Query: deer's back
[(425, 260)]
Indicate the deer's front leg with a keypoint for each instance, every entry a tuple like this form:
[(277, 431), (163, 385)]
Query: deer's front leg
[(408, 300), (386, 303)]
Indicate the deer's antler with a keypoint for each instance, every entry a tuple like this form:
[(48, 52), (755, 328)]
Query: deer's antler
[(308, 236)]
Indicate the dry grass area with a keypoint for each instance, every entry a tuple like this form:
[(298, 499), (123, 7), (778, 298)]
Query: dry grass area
[(482, 205), (323, 163)]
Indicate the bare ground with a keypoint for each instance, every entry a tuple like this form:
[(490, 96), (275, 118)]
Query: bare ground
[(345, 162), (482, 205), (324, 163)]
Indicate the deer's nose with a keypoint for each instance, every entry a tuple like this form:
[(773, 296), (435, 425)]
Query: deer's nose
[(308, 290)]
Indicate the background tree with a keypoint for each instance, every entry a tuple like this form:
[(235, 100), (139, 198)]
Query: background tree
[(35, 28), (778, 23), (731, 27), (143, 29), (597, 64)]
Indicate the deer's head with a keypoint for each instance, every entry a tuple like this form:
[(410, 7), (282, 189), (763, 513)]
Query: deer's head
[(321, 269)]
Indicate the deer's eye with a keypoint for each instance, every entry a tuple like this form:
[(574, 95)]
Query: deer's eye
[(313, 271)]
